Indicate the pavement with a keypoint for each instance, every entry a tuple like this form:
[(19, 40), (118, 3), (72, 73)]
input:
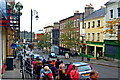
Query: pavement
[(13, 74), (16, 75), (103, 62)]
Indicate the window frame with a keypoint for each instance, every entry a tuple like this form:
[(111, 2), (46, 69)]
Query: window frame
[(118, 12), (93, 36), (111, 13), (98, 23), (98, 37), (88, 24)]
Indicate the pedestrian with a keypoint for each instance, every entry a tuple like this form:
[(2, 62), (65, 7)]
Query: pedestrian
[(57, 63), (53, 62), (98, 55), (54, 71), (82, 57), (68, 71), (46, 73), (88, 59), (61, 74), (33, 63), (48, 61), (74, 74), (62, 65), (38, 68), (94, 75)]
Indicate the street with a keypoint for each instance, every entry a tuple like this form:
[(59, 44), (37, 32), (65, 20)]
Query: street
[(104, 71)]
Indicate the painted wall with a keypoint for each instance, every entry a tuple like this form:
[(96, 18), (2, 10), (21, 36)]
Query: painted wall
[(111, 6), (94, 30), (0, 49)]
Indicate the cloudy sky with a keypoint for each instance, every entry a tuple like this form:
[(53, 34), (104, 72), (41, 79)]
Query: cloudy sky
[(51, 11)]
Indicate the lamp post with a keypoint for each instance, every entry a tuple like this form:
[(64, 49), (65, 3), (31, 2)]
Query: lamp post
[(35, 13), (82, 28), (18, 7)]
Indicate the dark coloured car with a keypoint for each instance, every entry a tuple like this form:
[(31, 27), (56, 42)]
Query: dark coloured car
[(52, 55)]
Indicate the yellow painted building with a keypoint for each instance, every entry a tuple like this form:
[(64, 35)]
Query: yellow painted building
[(94, 38)]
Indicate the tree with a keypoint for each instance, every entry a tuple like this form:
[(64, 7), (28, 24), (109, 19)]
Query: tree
[(46, 42), (69, 38)]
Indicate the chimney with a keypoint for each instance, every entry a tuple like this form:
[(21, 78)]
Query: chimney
[(89, 9), (76, 13), (102, 7)]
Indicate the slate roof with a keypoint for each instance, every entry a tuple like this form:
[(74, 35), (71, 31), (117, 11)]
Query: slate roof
[(111, 1), (96, 14)]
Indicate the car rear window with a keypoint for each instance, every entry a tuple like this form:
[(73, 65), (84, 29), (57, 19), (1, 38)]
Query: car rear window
[(84, 68), (52, 53)]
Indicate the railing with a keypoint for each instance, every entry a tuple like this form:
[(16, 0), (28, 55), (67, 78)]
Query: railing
[(27, 70)]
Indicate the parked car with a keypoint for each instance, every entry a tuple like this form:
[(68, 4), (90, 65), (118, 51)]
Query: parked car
[(35, 56), (53, 55), (84, 69)]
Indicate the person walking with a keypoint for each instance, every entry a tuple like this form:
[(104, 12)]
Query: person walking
[(46, 73), (38, 68), (93, 75), (68, 71), (62, 65), (61, 74), (57, 63), (54, 71), (74, 74)]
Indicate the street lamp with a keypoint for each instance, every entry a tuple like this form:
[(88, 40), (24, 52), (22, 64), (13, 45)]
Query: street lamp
[(35, 13), (82, 28), (18, 7)]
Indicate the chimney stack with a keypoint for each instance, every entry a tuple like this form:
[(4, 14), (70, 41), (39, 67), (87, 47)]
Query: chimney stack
[(76, 13), (89, 9)]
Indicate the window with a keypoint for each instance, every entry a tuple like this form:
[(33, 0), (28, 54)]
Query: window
[(93, 24), (98, 36), (98, 23), (88, 24), (93, 34), (111, 13), (88, 36), (75, 23), (118, 12), (84, 25)]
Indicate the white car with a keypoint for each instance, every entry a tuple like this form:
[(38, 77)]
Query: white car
[(84, 69)]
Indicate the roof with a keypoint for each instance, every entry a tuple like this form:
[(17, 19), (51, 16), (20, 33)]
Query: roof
[(111, 1), (96, 14), (79, 63)]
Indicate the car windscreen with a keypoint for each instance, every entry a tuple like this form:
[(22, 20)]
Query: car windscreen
[(84, 68)]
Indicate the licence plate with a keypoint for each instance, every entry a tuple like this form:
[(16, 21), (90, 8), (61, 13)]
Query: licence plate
[(86, 75)]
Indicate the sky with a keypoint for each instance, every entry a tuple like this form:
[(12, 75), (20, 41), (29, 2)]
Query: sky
[(50, 11)]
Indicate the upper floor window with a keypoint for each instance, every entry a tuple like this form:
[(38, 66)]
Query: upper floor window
[(93, 24), (88, 24), (118, 12), (75, 23), (84, 26), (93, 35), (111, 13), (98, 23), (98, 36)]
